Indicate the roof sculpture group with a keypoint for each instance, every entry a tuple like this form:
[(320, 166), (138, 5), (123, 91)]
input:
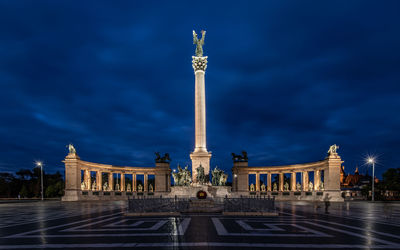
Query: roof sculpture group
[(240, 158), (71, 149), (164, 159), (332, 149)]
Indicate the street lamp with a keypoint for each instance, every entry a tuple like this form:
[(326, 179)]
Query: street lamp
[(372, 161), (40, 164)]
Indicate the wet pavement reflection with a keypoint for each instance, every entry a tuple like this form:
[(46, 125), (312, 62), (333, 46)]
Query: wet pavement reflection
[(54, 224)]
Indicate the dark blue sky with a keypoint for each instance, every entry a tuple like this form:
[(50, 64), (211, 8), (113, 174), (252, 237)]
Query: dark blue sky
[(285, 80)]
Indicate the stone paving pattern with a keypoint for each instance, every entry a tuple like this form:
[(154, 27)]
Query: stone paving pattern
[(102, 225)]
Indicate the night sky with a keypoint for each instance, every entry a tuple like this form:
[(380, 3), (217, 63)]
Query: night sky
[(285, 80)]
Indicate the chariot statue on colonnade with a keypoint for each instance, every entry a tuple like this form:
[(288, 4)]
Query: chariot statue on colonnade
[(333, 149), (71, 149), (164, 159), (240, 158)]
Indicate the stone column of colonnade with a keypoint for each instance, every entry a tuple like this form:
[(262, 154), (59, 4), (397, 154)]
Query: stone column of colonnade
[(133, 182), (110, 181), (87, 179), (145, 188), (305, 181), (258, 182), (317, 179), (281, 181), (293, 181), (84, 178), (99, 180), (269, 182), (122, 182)]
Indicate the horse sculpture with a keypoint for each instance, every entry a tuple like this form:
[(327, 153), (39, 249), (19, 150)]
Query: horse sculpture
[(164, 159), (219, 178)]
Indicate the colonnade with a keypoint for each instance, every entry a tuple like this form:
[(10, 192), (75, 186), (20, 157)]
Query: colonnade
[(87, 183), (292, 184), (78, 179), (326, 177)]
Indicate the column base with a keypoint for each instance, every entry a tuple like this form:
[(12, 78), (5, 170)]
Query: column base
[(202, 158), (71, 195)]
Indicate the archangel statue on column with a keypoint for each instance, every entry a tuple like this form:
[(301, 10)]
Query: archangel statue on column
[(199, 43)]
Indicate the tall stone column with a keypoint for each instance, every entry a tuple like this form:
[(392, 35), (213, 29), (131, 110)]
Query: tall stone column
[(269, 178), (293, 180), (200, 155)]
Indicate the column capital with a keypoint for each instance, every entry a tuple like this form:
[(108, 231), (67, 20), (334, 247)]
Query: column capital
[(199, 63)]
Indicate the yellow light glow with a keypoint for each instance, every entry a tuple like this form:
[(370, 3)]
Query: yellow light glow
[(38, 163)]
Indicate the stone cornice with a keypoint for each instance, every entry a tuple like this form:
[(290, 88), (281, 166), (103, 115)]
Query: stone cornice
[(285, 168)]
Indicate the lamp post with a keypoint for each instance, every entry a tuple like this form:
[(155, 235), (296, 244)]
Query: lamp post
[(40, 164), (372, 161)]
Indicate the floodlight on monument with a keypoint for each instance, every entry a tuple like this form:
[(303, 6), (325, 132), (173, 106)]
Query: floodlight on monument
[(38, 164)]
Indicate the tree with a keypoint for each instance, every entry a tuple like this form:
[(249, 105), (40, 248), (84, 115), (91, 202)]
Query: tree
[(391, 179), (24, 174), (24, 192)]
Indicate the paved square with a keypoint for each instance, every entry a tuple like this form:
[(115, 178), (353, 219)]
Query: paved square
[(103, 226)]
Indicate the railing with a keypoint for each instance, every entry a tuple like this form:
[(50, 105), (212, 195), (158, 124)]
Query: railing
[(242, 204), (249, 204), (145, 205)]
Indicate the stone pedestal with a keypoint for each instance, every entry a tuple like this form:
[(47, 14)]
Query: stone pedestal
[(72, 178), (191, 191), (162, 177), (203, 159)]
